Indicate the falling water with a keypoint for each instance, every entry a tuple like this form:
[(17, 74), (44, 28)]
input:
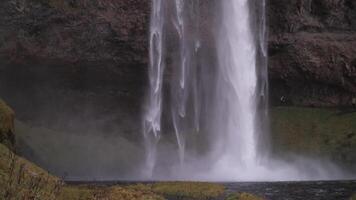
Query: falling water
[(237, 81), (233, 86), (152, 122), (208, 93)]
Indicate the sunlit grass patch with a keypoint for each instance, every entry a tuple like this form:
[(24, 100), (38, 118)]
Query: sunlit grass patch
[(183, 190), (120, 193), (243, 196)]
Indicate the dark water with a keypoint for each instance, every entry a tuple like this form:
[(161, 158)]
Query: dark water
[(313, 190), (321, 190)]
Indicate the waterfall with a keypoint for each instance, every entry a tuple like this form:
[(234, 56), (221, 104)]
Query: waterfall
[(206, 115), (152, 121), (237, 82), (207, 83)]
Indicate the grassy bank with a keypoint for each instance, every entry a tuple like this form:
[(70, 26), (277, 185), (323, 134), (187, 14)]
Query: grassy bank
[(23, 180), (317, 132), (20, 179)]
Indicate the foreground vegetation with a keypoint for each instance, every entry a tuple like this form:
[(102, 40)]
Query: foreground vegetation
[(20, 179), (243, 196), (23, 180), (184, 190)]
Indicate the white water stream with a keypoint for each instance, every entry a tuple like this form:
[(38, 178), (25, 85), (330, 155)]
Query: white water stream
[(208, 84)]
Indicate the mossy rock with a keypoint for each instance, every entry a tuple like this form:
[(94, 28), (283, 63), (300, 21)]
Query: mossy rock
[(243, 196), (7, 129)]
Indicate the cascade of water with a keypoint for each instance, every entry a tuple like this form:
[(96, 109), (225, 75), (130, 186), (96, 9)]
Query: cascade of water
[(152, 118), (208, 87), (233, 102), (237, 81), (183, 85)]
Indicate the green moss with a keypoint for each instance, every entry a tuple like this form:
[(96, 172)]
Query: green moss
[(189, 190), (243, 196), (315, 131), (7, 116)]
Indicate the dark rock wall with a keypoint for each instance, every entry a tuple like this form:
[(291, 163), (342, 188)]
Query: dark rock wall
[(312, 52), (61, 52), (75, 64)]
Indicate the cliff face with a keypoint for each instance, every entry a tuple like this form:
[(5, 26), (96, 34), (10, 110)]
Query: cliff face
[(75, 30), (92, 55), (311, 45), (312, 51), (63, 62)]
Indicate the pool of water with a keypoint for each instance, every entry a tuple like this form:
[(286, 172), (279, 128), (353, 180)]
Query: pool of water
[(320, 190)]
